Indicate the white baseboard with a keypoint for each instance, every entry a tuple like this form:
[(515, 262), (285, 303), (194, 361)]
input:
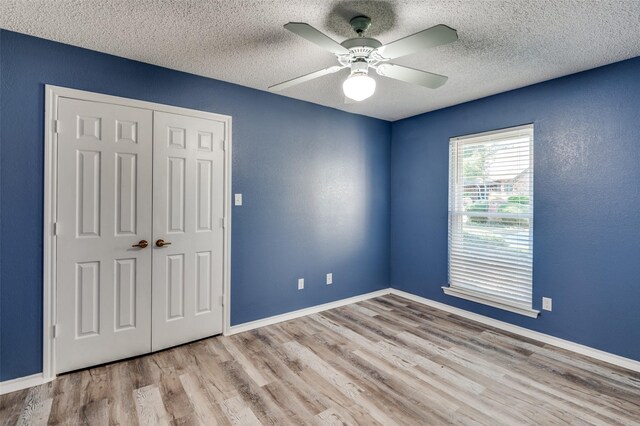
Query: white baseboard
[(20, 383), (303, 312), (618, 360), (630, 364)]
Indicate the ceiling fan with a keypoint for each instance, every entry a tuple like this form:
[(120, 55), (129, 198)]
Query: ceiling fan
[(362, 53)]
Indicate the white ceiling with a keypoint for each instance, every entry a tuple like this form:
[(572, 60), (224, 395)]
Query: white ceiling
[(503, 44)]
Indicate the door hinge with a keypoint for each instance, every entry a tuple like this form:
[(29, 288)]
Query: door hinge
[(223, 222), (55, 228), (56, 126), (222, 300), (225, 144), (55, 331)]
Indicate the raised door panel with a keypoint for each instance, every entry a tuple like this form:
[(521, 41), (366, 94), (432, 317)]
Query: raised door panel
[(175, 286), (87, 299), (126, 193), (204, 199), (125, 299), (204, 282), (88, 167), (176, 189)]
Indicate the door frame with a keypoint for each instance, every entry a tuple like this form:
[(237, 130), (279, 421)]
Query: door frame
[(52, 95)]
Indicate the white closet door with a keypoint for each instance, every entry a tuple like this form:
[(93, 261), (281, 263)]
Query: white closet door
[(188, 206), (103, 294)]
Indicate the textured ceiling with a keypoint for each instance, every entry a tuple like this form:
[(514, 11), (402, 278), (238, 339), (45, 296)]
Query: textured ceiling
[(503, 44)]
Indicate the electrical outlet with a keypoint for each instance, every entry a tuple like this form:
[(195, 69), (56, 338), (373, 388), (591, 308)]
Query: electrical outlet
[(238, 200), (546, 303), (300, 283), (330, 278)]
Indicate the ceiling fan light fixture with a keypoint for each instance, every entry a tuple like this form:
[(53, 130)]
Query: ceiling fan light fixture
[(359, 86)]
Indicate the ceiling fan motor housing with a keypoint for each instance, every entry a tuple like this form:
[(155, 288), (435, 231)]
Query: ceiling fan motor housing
[(361, 42), (360, 48)]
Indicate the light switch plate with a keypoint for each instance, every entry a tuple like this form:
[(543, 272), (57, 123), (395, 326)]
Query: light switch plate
[(300, 283), (238, 200), (546, 303), (330, 278)]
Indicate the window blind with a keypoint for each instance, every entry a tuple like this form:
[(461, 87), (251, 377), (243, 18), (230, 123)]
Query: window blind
[(491, 216)]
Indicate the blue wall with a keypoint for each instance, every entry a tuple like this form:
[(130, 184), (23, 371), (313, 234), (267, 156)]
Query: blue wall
[(587, 202), (317, 194), (315, 183)]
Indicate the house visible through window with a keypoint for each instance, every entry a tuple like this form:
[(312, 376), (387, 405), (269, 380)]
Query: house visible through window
[(491, 218)]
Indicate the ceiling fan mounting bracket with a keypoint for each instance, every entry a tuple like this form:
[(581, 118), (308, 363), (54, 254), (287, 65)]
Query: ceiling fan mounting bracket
[(360, 24)]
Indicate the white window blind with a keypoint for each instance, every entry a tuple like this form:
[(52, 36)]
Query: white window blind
[(491, 218)]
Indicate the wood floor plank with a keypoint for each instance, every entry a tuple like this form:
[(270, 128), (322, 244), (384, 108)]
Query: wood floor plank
[(338, 380), (396, 394), (205, 408), (382, 361), (399, 399), (256, 398), (149, 406), (313, 387), (302, 391), (247, 365), (96, 413), (67, 403), (11, 406), (174, 397), (36, 407), (239, 413), (334, 417), (120, 383), (294, 407)]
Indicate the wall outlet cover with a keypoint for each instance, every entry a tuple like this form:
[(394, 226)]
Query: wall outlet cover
[(546, 303), (330, 278), (300, 283), (238, 200)]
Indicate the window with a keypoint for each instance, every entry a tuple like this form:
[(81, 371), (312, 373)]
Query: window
[(491, 218)]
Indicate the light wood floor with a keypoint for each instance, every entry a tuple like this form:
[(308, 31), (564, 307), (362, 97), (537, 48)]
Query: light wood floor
[(384, 361)]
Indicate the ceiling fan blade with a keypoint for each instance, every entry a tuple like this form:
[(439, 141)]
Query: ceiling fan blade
[(304, 78), (306, 31), (410, 75), (431, 37)]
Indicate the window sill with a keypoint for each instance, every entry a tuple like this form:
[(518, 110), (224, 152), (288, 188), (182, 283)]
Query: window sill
[(480, 298)]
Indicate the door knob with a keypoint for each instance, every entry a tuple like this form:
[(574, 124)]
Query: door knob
[(141, 244), (162, 243)]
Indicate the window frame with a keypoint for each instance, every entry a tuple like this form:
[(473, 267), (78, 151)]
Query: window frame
[(453, 213)]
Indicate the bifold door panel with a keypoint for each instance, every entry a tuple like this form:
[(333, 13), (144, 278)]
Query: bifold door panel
[(135, 275), (104, 208)]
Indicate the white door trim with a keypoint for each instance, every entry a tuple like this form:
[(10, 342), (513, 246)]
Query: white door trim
[(52, 94)]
